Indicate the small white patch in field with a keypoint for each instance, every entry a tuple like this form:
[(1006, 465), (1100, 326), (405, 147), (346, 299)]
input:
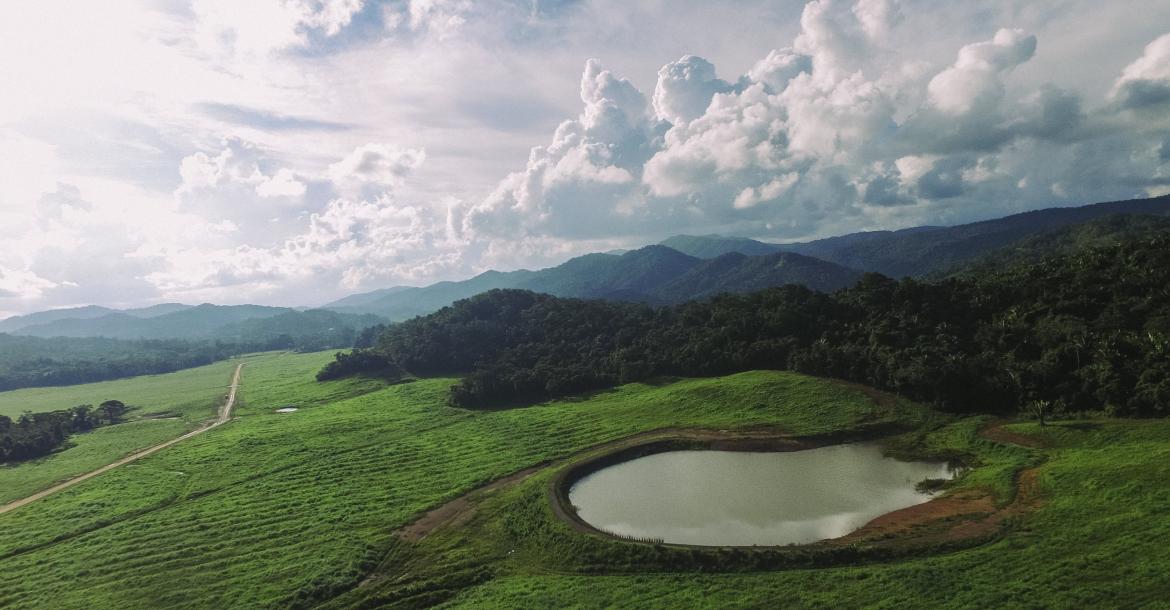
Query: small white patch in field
[(287, 410)]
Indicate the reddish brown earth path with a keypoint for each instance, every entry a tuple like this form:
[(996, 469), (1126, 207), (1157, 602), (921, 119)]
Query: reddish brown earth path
[(963, 515), (225, 413)]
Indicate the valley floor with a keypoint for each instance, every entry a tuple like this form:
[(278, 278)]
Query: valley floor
[(298, 509)]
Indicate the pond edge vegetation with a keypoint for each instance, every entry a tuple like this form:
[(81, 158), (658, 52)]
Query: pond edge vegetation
[(930, 534)]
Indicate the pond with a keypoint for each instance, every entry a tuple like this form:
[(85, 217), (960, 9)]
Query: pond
[(739, 498)]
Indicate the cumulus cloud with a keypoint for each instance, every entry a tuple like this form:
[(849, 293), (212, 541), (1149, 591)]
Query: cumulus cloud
[(237, 163), (21, 284), (778, 68), (685, 88), (974, 79), (1145, 83), (265, 26), (858, 115), (584, 175), (384, 165), (836, 130)]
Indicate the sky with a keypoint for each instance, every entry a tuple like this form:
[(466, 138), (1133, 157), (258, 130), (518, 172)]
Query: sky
[(290, 152)]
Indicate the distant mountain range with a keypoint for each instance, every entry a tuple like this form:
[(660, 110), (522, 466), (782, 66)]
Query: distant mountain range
[(681, 268), (227, 323), (924, 251), (688, 267), (654, 274), (88, 312)]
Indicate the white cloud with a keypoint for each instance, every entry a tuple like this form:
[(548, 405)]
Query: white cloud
[(837, 130), (277, 146), (752, 196), (685, 88), (281, 184), (263, 26), (1145, 83), (974, 79), (234, 186), (778, 68), (22, 285), (377, 164), (584, 175)]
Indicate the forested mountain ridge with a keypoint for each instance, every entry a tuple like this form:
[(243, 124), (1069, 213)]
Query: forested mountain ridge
[(1105, 231), (738, 273), (16, 323), (250, 324), (1083, 331), (654, 274), (922, 251), (193, 322), (634, 275)]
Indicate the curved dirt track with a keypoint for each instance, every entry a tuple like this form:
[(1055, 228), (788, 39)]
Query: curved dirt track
[(225, 413)]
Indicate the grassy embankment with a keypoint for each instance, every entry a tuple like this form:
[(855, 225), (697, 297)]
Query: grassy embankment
[(291, 510), (276, 509), (1097, 540)]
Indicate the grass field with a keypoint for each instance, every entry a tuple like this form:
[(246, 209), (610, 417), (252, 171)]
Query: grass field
[(1099, 541), (184, 399), (192, 394), (293, 510)]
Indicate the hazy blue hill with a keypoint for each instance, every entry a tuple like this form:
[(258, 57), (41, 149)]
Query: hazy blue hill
[(197, 322), (833, 247), (365, 298), (928, 250), (89, 312), (405, 304), (15, 323), (628, 276), (595, 276), (310, 330), (713, 246), (675, 270), (921, 251), (737, 273), (155, 311), (653, 274)]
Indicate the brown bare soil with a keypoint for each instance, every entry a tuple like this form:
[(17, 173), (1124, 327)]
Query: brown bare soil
[(957, 517), (995, 431)]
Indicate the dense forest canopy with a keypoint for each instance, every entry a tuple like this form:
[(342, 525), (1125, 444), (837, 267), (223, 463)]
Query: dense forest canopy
[(1085, 330)]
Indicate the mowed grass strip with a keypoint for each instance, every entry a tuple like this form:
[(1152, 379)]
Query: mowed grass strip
[(273, 509)]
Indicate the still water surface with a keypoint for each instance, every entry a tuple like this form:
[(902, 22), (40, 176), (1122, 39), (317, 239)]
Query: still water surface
[(750, 498)]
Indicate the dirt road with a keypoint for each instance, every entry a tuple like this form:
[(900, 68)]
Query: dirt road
[(225, 413)]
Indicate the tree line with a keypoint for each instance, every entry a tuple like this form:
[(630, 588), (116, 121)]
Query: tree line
[(35, 435), (1087, 331), (39, 362)]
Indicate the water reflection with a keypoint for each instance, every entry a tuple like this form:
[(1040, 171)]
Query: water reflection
[(742, 498)]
